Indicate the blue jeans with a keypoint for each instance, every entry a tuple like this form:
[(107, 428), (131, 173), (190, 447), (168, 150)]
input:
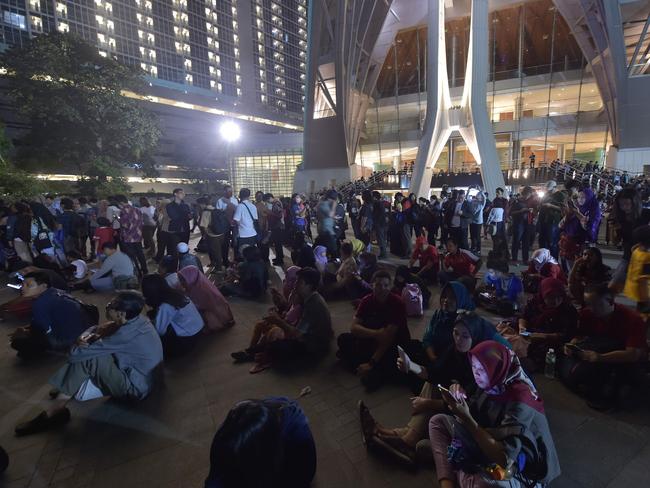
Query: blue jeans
[(520, 240)]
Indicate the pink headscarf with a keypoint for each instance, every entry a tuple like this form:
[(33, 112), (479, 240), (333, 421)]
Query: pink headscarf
[(290, 280), (208, 299)]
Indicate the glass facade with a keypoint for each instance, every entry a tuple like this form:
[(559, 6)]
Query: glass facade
[(541, 98), (271, 172)]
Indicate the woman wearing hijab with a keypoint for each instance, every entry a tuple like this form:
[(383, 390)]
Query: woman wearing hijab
[(542, 265), (498, 436), (320, 255), (403, 277), (579, 226), (213, 307), (452, 366), (548, 320)]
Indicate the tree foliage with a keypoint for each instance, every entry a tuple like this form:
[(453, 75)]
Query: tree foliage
[(73, 99)]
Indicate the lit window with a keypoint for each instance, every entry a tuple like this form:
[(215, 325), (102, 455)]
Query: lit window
[(152, 54), (99, 19), (262, 74), (37, 23), (234, 24), (188, 64), (139, 16), (103, 54), (61, 9), (259, 23), (188, 78), (213, 83), (237, 66), (235, 38), (263, 98), (153, 71), (150, 38), (110, 25), (238, 79), (262, 86), (108, 7), (234, 11), (148, 5), (239, 92), (111, 42), (35, 5), (149, 22), (102, 38), (219, 87), (236, 53), (178, 46)]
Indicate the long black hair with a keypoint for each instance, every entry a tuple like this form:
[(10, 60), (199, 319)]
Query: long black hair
[(637, 206), (247, 450), (157, 291)]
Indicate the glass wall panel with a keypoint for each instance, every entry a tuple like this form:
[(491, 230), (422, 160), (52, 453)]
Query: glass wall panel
[(267, 172)]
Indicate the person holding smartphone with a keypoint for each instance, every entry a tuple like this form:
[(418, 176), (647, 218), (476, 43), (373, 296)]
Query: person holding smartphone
[(450, 372), (613, 339), (118, 359), (499, 433)]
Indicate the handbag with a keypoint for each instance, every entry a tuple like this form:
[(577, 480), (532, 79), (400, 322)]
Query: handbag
[(42, 240), (263, 239)]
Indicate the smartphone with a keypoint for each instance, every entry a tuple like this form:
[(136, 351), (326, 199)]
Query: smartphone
[(20, 277), (524, 334), (14, 286)]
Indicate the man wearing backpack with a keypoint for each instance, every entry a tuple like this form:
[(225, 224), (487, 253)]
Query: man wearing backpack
[(214, 225), (57, 318)]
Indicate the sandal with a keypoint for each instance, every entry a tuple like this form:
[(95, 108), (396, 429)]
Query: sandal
[(43, 422), (397, 448), (368, 423), (259, 367)]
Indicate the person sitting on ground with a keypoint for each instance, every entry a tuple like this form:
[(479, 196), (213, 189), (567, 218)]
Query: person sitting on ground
[(185, 258), (117, 272), (502, 292), (320, 258), (346, 283), (379, 326), (250, 278), (411, 443), (212, 306), (542, 265), (282, 299), (118, 358), (167, 269), (403, 276), (548, 320), (367, 267), (427, 257), (604, 359), (275, 340), (458, 262), (302, 254), (174, 316), (20, 307), (57, 319), (500, 432), (276, 427), (587, 270)]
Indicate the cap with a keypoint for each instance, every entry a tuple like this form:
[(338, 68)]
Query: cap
[(182, 247)]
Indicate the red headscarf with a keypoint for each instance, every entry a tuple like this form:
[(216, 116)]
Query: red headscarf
[(551, 286), (506, 377)]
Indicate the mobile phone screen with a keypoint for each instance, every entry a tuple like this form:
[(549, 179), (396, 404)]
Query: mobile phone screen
[(12, 285), (525, 334)]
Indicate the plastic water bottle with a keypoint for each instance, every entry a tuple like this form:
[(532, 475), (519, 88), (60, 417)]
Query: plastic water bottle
[(549, 367)]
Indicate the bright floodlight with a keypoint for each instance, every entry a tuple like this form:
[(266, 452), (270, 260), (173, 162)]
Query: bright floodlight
[(230, 131)]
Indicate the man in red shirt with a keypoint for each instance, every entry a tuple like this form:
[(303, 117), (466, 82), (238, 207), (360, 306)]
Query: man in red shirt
[(428, 258), (605, 358), (458, 262), (379, 326)]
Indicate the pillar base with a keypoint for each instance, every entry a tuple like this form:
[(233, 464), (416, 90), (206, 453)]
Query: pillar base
[(631, 160)]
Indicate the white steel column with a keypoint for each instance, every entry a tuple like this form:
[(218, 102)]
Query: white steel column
[(471, 117)]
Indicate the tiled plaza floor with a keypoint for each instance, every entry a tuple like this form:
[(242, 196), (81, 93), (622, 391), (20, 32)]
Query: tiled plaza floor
[(165, 440)]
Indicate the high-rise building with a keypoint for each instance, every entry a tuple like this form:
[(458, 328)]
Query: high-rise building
[(203, 59)]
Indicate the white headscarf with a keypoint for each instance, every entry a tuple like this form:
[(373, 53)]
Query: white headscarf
[(541, 257)]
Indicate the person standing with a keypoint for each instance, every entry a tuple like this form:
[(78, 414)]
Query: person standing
[(228, 203), (326, 210), (366, 218), (263, 225), (246, 218), (131, 233), (148, 225), (519, 215), (180, 215), (380, 221), (276, 226), (476, 223), (550, 214)]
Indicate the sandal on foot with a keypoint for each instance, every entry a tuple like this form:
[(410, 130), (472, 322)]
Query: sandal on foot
[(368, 423), (258, 368), (397, 448), (43, 422)]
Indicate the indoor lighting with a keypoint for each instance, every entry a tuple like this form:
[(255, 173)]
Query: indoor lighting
[(230, 131)]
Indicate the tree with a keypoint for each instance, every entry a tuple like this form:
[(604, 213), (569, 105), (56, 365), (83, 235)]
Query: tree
[(73, 98)]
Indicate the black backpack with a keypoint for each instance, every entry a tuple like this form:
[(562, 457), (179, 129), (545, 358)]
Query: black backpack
[(219, 223)]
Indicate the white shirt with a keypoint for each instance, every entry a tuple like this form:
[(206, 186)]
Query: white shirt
[(113, 215), (148, 215), (222, 203), (80, 268), (243, 218), (495, 216), (455, 220)]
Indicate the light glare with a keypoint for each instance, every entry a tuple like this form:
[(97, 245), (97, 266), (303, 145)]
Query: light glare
[(230, 131)]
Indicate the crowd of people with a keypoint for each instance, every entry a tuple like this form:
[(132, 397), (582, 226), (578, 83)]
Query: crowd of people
[(478, 414)]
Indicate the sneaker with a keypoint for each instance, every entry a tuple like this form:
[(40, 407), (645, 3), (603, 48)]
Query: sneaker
[(242, 356)]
